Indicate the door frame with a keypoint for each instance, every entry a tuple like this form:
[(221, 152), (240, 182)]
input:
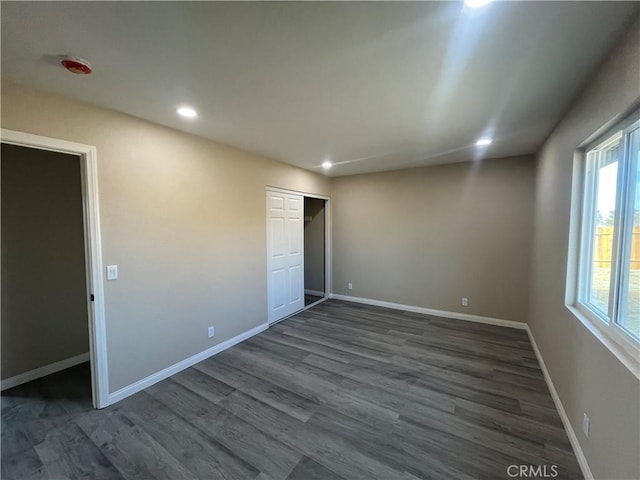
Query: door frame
[(327, 234), (92, 247)]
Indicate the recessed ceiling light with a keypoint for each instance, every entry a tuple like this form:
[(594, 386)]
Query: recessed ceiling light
[(483, 142), (326, 164), (476, 3), (187, 112)]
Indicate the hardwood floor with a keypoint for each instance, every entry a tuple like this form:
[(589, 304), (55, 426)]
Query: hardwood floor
[(340, 391)]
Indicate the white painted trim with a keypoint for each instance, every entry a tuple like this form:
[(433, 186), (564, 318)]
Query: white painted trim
[(43, 371), (294, 192), (186, 363), (577, 449), (93, 249), (316, 293), (430, 311), (622, 345)]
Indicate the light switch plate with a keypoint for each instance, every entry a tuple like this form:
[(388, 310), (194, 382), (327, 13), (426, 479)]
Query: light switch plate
[(112, 272), (586, 425)]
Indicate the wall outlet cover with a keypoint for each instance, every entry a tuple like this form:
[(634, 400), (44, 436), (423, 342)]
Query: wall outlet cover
[(112, 272), (586, 424)]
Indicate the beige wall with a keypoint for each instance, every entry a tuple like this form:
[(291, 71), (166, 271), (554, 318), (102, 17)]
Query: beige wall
[(183, 217), (429, 236), (314, 244), (44, 308), (587, 376)]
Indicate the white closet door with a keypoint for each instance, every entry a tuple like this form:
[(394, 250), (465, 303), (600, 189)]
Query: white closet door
[(285, 254)]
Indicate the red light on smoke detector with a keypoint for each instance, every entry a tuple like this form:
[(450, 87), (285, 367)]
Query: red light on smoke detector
[(76, 65)]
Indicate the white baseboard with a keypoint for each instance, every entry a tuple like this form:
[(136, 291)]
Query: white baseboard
[(43, 371), (431, 311), (186, 363), (577, 449), (316, 293)]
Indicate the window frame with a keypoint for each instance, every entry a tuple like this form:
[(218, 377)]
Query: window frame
[(627, 216), (588, 227), (619, 340)]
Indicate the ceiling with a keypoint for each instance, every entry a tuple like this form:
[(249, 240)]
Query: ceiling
[(368, 86)]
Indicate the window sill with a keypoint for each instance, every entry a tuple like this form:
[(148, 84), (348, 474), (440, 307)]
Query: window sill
[(625, 351)]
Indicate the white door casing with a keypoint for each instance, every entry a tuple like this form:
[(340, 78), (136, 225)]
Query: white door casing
[(285, 254), (93, 250)]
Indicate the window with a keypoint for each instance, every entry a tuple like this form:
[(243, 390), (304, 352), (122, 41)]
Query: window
[(608, 283)]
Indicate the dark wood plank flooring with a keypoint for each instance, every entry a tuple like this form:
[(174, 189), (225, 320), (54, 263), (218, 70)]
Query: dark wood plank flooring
[(340, 391)]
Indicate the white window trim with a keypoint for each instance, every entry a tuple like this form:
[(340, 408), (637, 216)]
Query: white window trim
[(623, 347)]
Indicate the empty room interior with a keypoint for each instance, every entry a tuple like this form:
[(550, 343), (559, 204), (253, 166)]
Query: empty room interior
[(320, 240)]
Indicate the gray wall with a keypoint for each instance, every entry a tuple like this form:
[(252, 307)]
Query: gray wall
[(429, 236), (182, 216), (44, 309), (314, 244), (587, 376)]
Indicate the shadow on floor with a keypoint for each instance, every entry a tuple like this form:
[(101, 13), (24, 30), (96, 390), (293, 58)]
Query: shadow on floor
[(309, 299)]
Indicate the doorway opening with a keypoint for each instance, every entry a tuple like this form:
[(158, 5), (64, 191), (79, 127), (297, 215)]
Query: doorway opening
[(314, 250), (52, 292)]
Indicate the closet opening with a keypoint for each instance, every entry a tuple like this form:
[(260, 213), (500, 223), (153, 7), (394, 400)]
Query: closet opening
[(314, 250)]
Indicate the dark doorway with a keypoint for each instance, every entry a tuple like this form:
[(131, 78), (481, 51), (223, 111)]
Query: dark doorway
[(314, 250), (45, 325)]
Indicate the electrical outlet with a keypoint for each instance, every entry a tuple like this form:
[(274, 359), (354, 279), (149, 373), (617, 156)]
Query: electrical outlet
[(465, 302), (211, 332), (586, 424), (112, 272), (350, 286)]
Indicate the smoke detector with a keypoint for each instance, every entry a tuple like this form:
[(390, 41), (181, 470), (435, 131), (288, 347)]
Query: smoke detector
[(76, 65)]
